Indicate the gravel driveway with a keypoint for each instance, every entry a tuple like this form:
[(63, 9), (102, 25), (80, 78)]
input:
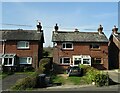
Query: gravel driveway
[(11, 80)]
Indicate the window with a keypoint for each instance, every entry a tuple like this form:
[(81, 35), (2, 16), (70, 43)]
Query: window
[(96, 46), (77, 61), (23, 45), (65, 60), (8, 61), (86, 61), (96, 60), (67, 45), (25, 60)]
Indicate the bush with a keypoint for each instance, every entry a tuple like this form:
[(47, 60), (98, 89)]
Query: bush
[(101, 79), (26, 83), (44, 66), (28, 68)]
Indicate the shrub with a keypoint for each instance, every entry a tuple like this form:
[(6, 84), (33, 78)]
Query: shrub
[(44, 66), (28, 68), (101, 79), (25, 83)]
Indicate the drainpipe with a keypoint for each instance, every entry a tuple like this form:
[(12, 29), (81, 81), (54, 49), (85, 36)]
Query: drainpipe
[(3, 46)]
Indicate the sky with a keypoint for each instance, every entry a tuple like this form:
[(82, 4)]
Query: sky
[(68, 15)]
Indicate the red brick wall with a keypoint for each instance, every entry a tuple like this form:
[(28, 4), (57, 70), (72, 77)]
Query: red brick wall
[(1, 49), (11, 47), (82, 49)]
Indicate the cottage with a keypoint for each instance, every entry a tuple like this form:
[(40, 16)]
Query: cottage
[(21, 47), (74, 48), (114, 49)]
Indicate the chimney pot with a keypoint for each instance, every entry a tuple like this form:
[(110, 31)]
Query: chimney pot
[(115, 29), (100, 29), (56, 27), (76, 30), (39, 27)]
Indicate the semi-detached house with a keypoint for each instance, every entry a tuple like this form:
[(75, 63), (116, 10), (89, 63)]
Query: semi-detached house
[(21, 47), (77, 47)]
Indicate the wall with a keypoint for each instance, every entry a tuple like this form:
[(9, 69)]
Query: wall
[(11, 47), (82, 49)]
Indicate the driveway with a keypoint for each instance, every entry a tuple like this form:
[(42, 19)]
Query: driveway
[(11, 80)]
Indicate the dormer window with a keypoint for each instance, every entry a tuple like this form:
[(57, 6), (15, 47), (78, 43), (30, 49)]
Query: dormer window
[(67, 45), (23, 45)]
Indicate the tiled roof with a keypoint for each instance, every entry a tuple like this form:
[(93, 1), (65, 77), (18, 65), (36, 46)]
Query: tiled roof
[(61, 36), (21, 35), (118, 36)]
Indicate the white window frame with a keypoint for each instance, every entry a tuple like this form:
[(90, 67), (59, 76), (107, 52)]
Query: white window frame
[(94, 45), (23, 47), (27, 58), (82, 58), (63, 61), (66, 44), (3, 59)]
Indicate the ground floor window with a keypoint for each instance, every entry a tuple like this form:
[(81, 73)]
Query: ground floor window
[(8, 61), (96, 61), (86, 61), (77, 61), (82, 59), (65, 60), (25, 60)]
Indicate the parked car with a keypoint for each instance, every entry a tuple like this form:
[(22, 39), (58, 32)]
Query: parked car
[(74, 71)]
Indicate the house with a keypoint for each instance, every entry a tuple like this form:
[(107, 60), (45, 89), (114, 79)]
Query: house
[(114, 49), (74, 48), (21, 47)]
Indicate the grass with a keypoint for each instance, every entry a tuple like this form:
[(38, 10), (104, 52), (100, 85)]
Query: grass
[(27, 73), (4, 75), (73, 80)]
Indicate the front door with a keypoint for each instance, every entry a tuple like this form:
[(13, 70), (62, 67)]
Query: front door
[(77, 60)]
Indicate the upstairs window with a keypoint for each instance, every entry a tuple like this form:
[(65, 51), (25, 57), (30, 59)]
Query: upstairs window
[(23, 45), (94, 46), (67, 45)]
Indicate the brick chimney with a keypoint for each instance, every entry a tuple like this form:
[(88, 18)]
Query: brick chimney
[(39, 27), (100, 29), (56, 27), (114, 30), (76, 30)]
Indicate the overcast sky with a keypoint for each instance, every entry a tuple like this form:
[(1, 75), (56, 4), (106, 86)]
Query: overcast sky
[(69, 15)]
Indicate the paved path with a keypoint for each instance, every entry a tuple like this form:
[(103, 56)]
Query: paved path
[(11, 80)]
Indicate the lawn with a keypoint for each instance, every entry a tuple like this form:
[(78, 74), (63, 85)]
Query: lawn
[(65, 80)]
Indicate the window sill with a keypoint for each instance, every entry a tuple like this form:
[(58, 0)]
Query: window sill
[(23, 48), (95, 49), (67, 49), (64, 64)]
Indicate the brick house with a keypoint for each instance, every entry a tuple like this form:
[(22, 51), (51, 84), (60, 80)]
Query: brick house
[(73, 48), (21, 47), (114, 49)]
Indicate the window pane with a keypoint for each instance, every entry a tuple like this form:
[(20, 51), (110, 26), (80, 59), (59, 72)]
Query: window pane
[(61, 60), (23, 44), (5, 61), (68, 45), (10, 61), (23, 60), (66, 60), (77, 61), (63, 45), (98, 60), (29, 60), (86, 61)]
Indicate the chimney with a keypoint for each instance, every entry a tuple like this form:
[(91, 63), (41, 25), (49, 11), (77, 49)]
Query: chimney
[(100, 29), (114, 30), (56, 27), (76, 30), (39, 27)]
